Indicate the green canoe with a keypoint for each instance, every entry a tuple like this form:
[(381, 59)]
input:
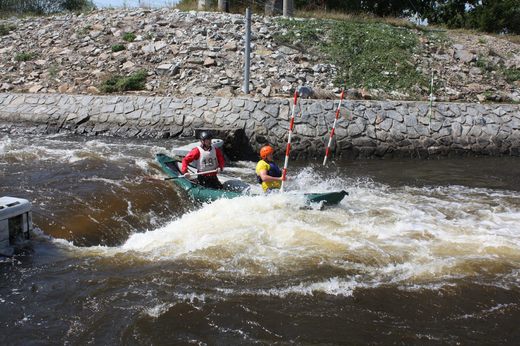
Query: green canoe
[(232, 188)]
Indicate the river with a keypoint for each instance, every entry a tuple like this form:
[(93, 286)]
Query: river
[(420, 252)]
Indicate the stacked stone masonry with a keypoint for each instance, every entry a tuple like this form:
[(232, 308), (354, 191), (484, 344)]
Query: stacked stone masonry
[(365, 128)]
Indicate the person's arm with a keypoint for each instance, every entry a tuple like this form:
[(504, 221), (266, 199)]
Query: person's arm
[(267, 178), (193, 155), (220, 159)]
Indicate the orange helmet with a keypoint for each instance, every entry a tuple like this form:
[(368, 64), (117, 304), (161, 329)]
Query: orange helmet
[(266, 151)]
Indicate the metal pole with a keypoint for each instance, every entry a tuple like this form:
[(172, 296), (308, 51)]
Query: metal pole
[(288, 6), (247, 55), (431, 103)]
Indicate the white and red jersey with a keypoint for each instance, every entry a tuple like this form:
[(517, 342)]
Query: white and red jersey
[(205, 160)]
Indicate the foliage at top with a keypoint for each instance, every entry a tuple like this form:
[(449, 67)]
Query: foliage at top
[(497, 16), (487, 15), (40, 7)]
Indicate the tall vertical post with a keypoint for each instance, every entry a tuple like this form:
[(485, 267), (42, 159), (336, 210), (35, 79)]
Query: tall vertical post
[(223, 5), (247, 53), (431, 103), (288, 8)]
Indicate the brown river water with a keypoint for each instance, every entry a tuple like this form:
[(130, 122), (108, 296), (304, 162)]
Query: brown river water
[(420, 252)]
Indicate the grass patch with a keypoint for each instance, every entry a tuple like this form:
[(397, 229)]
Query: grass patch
[(53, 71), (513, 38), (118, 47), (510, 74), (369, 55), (186, 5), (136, 81), (129, 36), (484, 64), (508, 37), (358, 18), (24, 56), (82, 32), (6, 29)]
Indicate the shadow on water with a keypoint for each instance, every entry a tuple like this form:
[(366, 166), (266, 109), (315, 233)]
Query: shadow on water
[(90, 197), (479, 172)]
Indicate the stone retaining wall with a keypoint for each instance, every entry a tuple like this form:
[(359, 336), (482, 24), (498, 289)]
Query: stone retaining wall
[(365, 128)]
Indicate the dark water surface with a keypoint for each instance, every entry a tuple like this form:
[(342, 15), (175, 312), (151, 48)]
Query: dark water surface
[(421, 252)]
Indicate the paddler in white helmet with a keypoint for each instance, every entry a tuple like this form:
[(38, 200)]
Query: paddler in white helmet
[(208, 158)]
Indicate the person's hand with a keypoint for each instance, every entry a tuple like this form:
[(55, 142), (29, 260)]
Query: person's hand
[(219, 170), (187, 175)]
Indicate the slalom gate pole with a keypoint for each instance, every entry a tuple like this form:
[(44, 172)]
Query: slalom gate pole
[(288, 147), (333, 128)]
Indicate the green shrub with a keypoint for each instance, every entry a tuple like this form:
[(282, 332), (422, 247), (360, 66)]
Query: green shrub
[(484, 64), (129, 36), (118, 47), (82, 32), (53, 71), (135, 81), (6, 29), (511, 74), (24, 56)]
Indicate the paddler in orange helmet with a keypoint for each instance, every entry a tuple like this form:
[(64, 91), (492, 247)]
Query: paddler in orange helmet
[(267, 172)]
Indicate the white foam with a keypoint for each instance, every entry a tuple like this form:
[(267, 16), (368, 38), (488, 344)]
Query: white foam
[(5, 144), (396, 237), (332, 286), (158, 310)]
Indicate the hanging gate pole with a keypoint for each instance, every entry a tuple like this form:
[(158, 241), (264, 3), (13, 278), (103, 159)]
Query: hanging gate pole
[(288, 148), (333, 128)]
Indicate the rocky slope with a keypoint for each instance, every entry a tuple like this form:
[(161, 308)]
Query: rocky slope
[(200, 53)]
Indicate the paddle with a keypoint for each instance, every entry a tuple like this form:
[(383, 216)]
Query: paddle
[(194, 174)]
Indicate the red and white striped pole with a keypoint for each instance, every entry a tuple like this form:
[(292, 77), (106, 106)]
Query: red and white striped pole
[(288, 148), (333, 128)]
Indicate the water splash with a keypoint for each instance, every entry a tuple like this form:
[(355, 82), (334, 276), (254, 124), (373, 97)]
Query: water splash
[(415, 237)]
